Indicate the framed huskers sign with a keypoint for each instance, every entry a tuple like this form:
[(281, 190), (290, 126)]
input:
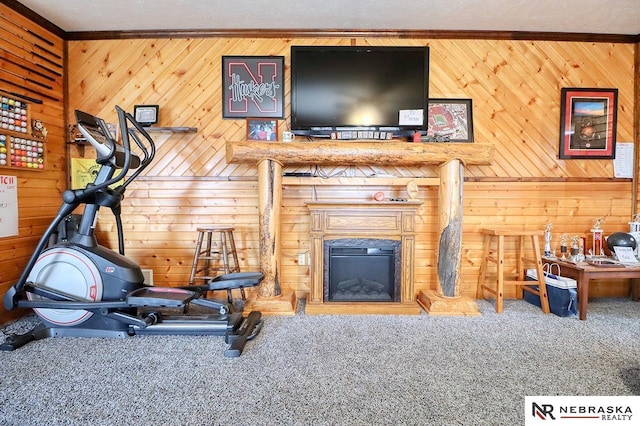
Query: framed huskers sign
[(253, 86)]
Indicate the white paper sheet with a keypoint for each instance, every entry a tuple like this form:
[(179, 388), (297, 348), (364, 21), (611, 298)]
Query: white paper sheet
[(623, 163), (8, 206)]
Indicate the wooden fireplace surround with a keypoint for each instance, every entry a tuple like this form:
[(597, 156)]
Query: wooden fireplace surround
[(332, 220), (450, 159)]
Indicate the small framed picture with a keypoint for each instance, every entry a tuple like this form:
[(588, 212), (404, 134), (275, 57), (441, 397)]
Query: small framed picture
[(146, 115), (588, 119), (261, 129), (450, 120)]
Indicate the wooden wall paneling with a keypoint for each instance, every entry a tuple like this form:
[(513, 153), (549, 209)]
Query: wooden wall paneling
[(515, 86), (160, 216), (524, 90), (567, 206), (36, 73), (497, 80)]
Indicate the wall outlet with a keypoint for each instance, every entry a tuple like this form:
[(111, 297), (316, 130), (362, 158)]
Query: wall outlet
[(302, 259), (148, 276)]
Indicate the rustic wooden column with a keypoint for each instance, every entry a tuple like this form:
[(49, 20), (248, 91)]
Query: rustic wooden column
[(270, 296), (450, 223), (446, 300), (269, 201)]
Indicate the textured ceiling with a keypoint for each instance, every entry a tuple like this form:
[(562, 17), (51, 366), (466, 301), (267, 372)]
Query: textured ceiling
[(571, 16)]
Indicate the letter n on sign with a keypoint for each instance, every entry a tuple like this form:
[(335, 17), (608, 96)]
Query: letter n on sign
[(253, 86)]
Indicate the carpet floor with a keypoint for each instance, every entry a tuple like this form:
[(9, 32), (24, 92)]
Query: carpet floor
[(329, 370)]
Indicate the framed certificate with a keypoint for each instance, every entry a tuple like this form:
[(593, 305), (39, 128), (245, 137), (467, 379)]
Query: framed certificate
[(146, 115)]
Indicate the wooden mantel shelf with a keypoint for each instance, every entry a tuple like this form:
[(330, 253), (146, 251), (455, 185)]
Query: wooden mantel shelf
[(361, 152), (359, 181)]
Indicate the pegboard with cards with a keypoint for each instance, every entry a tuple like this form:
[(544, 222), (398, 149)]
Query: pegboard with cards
[(18, 147)]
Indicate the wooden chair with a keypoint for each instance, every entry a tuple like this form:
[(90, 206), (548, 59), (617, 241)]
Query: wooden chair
[(498, 235)]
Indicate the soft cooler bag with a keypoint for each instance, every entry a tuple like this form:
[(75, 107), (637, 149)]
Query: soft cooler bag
[(561, 291)]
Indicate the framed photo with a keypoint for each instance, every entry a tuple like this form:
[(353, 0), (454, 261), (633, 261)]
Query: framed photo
[(450, 120), (146, 115), (588, 119), (260, 129), (253, 86)]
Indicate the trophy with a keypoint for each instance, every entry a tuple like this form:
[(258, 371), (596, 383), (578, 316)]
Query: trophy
[(598, 249), (563, 246), (547, 240), (634, 230), (577, 249)]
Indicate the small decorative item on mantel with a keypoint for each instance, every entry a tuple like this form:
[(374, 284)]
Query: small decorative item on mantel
[(412, 190), (378, 196)]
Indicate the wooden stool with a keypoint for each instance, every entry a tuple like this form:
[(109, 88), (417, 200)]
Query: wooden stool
[(202, 268), (498, 258)]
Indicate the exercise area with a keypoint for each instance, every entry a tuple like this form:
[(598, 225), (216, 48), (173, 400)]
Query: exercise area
[(79, 288)]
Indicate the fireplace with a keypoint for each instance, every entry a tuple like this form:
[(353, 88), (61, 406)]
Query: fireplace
[(361, 270), (362, 257)]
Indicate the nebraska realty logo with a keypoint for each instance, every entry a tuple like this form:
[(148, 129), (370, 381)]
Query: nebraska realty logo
[(592, 409)]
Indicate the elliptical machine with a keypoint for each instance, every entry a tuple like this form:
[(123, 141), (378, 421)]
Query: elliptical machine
[(80, 288)]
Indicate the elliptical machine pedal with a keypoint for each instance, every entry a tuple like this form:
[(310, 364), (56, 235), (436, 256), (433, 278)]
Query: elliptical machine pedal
[(249, 330)]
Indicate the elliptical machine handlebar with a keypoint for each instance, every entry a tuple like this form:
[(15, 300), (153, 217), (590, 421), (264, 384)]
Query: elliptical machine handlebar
[(148, 150)]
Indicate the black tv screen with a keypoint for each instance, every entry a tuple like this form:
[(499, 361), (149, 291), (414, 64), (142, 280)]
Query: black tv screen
[(351, 88)]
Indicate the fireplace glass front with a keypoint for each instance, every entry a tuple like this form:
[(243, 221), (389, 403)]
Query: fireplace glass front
[(362, 270)]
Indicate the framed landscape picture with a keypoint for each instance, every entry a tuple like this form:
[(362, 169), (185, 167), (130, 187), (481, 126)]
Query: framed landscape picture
[(450, 120), (588, 120)]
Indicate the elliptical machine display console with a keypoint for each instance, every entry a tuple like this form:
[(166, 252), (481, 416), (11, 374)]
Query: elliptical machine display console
[(82, 289)]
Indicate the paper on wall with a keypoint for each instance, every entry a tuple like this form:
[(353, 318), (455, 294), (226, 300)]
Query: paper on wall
[(8, 206), (623, 163), (411, 117)]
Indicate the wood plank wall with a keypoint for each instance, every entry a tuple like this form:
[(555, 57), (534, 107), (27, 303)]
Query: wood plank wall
[(34, 67), (515, 87)]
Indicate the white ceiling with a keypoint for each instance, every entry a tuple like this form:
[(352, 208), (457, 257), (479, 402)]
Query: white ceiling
[(570, 16)]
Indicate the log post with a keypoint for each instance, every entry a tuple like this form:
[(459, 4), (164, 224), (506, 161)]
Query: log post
[(446, 300), (450, 223), (269, 202), (271, 299)]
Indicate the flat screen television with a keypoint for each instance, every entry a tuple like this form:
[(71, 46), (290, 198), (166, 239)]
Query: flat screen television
[(353, 88)]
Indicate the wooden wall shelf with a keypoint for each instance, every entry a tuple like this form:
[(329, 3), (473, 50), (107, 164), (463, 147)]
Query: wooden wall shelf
[(171, 129)]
